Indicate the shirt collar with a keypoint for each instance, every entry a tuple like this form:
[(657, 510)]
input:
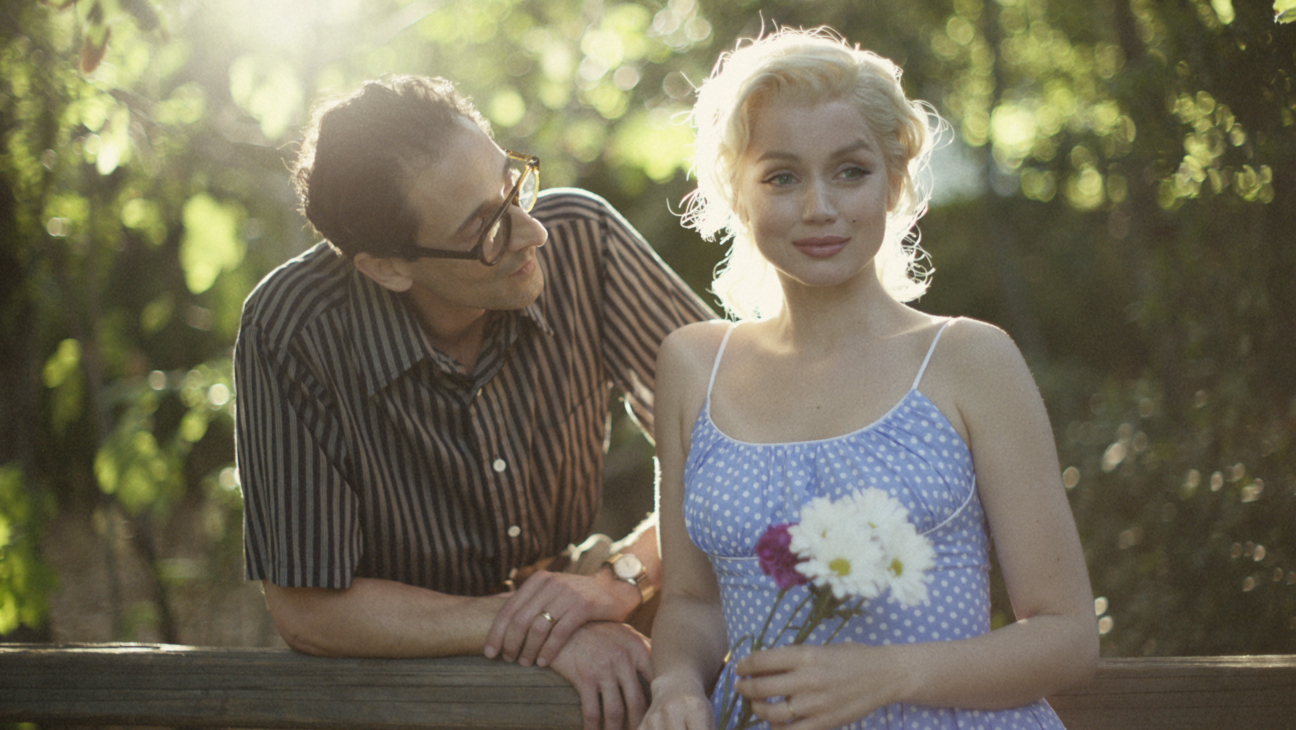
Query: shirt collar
[(389, 341), (535, 312)]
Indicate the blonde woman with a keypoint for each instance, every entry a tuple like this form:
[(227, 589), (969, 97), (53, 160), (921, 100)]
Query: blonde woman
[(808, 155)]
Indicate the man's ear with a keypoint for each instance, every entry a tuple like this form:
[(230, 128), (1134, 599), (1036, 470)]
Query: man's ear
[(389, 273)]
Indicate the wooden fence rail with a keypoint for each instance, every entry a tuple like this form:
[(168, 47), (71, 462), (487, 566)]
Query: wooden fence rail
[(182, 686)]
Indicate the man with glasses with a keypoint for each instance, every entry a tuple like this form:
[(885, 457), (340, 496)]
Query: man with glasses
[(423, 402)]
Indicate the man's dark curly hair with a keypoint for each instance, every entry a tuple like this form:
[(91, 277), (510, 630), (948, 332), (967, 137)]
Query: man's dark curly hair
[(360, 153)]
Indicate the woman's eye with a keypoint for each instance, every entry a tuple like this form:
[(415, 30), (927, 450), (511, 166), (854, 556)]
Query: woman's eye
[(854, 173), (782, 178)]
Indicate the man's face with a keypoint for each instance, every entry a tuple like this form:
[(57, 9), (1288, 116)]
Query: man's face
[(455, 197)]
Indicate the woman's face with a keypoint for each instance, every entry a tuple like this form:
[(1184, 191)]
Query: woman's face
[(813, 190)]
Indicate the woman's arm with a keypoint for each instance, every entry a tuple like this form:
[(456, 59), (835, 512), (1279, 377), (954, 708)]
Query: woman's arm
[(689, 632), (1054, 641), (981, 381)]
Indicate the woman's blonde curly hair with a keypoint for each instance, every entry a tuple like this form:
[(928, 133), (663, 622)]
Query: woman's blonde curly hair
[(814, 66)]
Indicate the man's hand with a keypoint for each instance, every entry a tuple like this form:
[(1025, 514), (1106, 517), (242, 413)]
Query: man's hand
[(539, 619), (608, 664)]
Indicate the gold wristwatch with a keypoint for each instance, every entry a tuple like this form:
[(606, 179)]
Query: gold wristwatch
[(629, 568)]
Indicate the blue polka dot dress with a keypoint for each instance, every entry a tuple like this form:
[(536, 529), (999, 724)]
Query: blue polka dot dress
[(734, 490)]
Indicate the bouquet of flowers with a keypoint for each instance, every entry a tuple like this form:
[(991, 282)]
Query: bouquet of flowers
[(846, 552)]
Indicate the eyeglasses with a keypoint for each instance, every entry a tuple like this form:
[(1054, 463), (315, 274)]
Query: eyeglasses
[(494, 239)]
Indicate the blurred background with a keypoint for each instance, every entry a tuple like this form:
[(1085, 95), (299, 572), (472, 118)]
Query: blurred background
[(1116, 191)]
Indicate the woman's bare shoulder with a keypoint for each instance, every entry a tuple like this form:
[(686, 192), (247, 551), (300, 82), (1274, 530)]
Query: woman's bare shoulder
[(976, 366), (978, 348), (683, 371), (693, 344)]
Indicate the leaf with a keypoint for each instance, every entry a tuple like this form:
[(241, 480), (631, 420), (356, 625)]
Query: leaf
[(62, 374), (1284, 11), (268, 90), (114, 142), (132, 467), (211, 242), (25, 580), (92, 52), (506, 107), (63, 364), (653, 143)]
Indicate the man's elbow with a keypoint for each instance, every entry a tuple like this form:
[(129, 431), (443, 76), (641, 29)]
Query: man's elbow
[(298, 625), (300, 640)]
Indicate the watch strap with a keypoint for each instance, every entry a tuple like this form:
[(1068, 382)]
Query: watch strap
[(640, 580)]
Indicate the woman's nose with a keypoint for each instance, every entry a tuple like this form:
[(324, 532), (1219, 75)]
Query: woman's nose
[(817, 203)]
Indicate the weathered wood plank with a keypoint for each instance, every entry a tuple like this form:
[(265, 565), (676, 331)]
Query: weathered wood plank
[(136, 684), (1186, 693), (171, 685)]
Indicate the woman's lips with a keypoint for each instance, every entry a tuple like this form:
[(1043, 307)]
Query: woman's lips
[(820, 247)]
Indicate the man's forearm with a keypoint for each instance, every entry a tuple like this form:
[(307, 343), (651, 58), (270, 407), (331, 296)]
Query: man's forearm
[(380, 618), (643, 543)]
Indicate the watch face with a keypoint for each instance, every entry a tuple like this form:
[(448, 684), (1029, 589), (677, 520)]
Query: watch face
[(628, 567)]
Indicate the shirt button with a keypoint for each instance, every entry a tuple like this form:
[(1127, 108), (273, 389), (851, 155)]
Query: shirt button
[(514, 531), (499, 465)]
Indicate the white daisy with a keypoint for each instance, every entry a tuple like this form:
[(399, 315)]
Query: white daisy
[(861, 545), (846, 561), (911, 557)]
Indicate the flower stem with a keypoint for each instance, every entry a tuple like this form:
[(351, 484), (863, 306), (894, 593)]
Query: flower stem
[(825, 606)]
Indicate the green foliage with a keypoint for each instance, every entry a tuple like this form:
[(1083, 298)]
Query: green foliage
[(24, 579), (211, 242), (1284, 11), (142, 462), (63, 376), (1127, 175)]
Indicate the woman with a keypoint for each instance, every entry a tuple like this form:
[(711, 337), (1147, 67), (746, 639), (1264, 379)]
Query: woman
[(807, 154)]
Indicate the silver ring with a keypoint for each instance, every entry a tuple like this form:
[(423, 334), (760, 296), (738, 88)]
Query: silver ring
[(548, 617)]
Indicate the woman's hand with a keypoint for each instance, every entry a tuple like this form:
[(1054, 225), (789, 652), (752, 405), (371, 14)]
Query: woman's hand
[(678, 704), (819, 687)]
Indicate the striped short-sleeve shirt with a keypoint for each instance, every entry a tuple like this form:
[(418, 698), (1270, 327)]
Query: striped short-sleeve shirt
[(364, 451)]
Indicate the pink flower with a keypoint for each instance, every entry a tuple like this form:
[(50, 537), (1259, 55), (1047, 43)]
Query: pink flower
[(777, 559)]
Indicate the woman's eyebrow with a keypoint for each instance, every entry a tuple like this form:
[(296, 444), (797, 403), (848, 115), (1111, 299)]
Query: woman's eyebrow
[(861, 144)]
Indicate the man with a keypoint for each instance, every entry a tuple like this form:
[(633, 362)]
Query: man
[(423, 401)]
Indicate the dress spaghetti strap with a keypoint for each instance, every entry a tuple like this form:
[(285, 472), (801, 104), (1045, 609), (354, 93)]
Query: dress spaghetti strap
[(715, 367), (926, 360), (967, 499)]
